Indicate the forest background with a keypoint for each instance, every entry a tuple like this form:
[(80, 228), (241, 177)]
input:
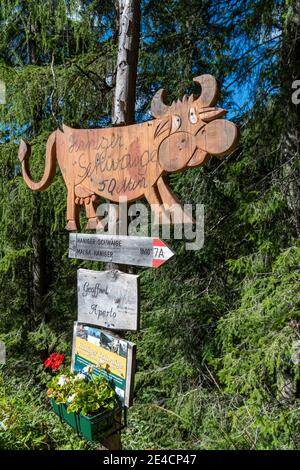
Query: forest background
[(218, 351)]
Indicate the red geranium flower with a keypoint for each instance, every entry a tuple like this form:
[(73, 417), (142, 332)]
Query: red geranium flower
[(54, 361)]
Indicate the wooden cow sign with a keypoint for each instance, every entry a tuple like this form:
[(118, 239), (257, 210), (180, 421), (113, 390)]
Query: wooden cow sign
[(130, 162)]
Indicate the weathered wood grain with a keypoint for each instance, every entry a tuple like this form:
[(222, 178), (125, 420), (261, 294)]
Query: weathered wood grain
[(109, 299), (129, 162), (134, 251)]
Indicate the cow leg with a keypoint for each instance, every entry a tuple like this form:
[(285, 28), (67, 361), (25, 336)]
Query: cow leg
[(155, 204), (91, 213), (171, 203), (72, 211)]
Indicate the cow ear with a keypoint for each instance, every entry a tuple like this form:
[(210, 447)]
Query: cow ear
[(209, 114), (219, 137)]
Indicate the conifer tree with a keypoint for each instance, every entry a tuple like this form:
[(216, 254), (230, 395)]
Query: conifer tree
[(218, 365), (54, 58)]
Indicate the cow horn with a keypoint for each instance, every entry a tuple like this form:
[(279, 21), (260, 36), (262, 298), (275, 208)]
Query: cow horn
[(209, 90), (158, 107)]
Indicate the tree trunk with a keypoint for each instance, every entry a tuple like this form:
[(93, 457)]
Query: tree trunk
[(38, 259), (128, 12), (127, 33), (128, 19), (38, 262)]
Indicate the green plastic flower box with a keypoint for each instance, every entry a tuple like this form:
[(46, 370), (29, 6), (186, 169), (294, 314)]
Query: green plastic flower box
[(91, 428)]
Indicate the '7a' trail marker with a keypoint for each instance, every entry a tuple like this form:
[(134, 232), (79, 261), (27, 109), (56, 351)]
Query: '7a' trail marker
[(135, 251)]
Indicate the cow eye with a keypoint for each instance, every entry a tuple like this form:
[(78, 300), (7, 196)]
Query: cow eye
[(193, 116), (176, 122)]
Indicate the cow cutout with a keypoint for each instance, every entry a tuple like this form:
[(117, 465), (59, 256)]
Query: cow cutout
[(130, 162)]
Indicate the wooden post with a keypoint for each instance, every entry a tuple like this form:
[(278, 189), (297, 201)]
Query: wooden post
[(128, 24), (128, 16)]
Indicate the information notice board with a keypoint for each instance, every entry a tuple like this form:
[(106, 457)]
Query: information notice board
[(110, 356)]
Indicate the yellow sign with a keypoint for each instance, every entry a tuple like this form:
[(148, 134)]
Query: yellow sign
[(101, 357)]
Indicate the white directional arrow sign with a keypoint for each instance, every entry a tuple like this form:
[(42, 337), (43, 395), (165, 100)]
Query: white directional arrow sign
[(136, 251)]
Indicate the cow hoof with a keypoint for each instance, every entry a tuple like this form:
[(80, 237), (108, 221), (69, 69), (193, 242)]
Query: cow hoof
[(92, 223), (71, 226)]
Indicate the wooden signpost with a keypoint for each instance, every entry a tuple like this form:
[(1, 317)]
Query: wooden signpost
[(131, 161), (117, 164), (109, 299), (135, 251)]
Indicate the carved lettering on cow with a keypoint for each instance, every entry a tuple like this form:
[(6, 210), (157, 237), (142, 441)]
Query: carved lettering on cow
[(132, 161)]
